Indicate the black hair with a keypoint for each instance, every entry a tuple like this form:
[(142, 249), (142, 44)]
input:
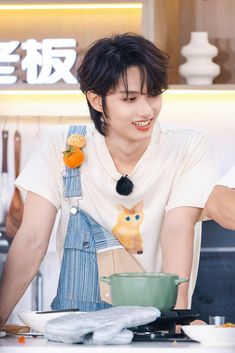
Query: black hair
[(107, 60)]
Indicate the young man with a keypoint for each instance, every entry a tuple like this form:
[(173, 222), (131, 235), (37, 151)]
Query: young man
[(220, 205), (133, 203)]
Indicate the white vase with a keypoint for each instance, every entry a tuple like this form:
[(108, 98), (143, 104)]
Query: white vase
[(199, 69)]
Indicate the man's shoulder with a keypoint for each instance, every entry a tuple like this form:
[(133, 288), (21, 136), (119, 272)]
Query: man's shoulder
[(179, 130), (182, 134)]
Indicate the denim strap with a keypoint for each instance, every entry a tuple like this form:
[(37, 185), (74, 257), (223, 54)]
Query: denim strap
[(79, 279)]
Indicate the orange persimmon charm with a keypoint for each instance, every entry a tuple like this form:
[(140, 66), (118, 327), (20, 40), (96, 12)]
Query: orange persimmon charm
[(74, 157)]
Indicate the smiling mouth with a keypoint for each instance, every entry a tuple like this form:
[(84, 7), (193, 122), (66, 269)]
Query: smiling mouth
[(142, 123)]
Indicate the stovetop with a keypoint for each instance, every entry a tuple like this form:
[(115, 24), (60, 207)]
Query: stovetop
[(164, 327), (160, 337)]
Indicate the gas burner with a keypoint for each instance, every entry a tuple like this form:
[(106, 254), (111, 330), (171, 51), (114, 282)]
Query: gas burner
[(163, 328), (160, 337)]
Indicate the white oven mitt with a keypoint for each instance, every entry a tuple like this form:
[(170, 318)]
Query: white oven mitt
[(108, 326)]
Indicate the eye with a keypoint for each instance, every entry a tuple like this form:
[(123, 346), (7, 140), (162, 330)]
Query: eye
[(128, 218), (137, 217), (129, 99)]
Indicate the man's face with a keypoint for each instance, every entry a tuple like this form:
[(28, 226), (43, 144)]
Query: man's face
[(132, 117)]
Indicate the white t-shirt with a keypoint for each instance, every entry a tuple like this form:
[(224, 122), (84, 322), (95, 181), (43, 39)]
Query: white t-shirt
[(178, 168), (228, 179)]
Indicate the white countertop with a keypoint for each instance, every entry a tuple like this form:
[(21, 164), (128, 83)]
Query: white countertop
[(39, 345)]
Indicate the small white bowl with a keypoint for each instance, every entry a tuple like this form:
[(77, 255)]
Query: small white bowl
[(37, 322), (211, 335)]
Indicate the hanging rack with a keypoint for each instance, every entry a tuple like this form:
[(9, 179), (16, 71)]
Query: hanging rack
[(4, 124)]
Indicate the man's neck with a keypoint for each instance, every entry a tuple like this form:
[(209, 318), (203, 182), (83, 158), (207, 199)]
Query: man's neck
[(126, 154)]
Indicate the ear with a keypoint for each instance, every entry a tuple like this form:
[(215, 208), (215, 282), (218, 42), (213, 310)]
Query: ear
[(120, 208), (139, 206), (95, 101)]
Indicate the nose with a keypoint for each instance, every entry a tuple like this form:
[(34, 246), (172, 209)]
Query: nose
[(146, 108)]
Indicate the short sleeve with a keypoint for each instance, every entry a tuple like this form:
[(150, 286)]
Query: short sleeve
[(197, 173), (228, 179), (41, 174)]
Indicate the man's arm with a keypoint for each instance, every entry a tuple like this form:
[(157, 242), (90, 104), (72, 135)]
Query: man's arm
[(220, 206), (26, 252), (177, 240)]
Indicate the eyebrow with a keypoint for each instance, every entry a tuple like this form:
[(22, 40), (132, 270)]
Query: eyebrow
[(129, 92)]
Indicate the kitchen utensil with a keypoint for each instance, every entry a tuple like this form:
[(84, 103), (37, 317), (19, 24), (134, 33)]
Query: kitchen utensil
[(144, 289), (4, 178), (169, 320), (164, 327), (216, 320), (14, 329), (211, 335), (37, 321), (57, 311), (37, 292), (15, 213), (108, 326)]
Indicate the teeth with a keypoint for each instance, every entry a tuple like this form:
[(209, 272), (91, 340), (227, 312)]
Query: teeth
[(141, 123)]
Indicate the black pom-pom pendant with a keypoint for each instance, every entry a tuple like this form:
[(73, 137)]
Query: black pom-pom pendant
[(124, 186)]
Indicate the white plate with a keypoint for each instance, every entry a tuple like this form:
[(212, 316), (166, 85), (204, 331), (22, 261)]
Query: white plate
[(37, 322), (211, 334)]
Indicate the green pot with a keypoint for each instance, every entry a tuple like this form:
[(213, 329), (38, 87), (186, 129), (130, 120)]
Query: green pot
[(144, 289)]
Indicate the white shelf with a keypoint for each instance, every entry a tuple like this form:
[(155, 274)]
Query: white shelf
[(27, 87), (219, 87), (63, 88)]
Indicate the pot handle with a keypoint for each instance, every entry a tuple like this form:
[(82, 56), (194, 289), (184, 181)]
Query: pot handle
[(105, 279), (181, 280)]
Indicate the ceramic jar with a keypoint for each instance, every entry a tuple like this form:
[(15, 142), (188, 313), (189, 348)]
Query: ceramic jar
[(199, 69)]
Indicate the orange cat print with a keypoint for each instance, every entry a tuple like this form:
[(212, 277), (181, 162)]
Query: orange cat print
[(127, 228)]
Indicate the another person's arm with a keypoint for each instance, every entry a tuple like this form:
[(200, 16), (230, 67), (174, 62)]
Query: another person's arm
[(26, 252), (177, 240), (220, 206)]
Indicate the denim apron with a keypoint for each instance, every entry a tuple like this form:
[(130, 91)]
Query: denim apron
[(78, 285)]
